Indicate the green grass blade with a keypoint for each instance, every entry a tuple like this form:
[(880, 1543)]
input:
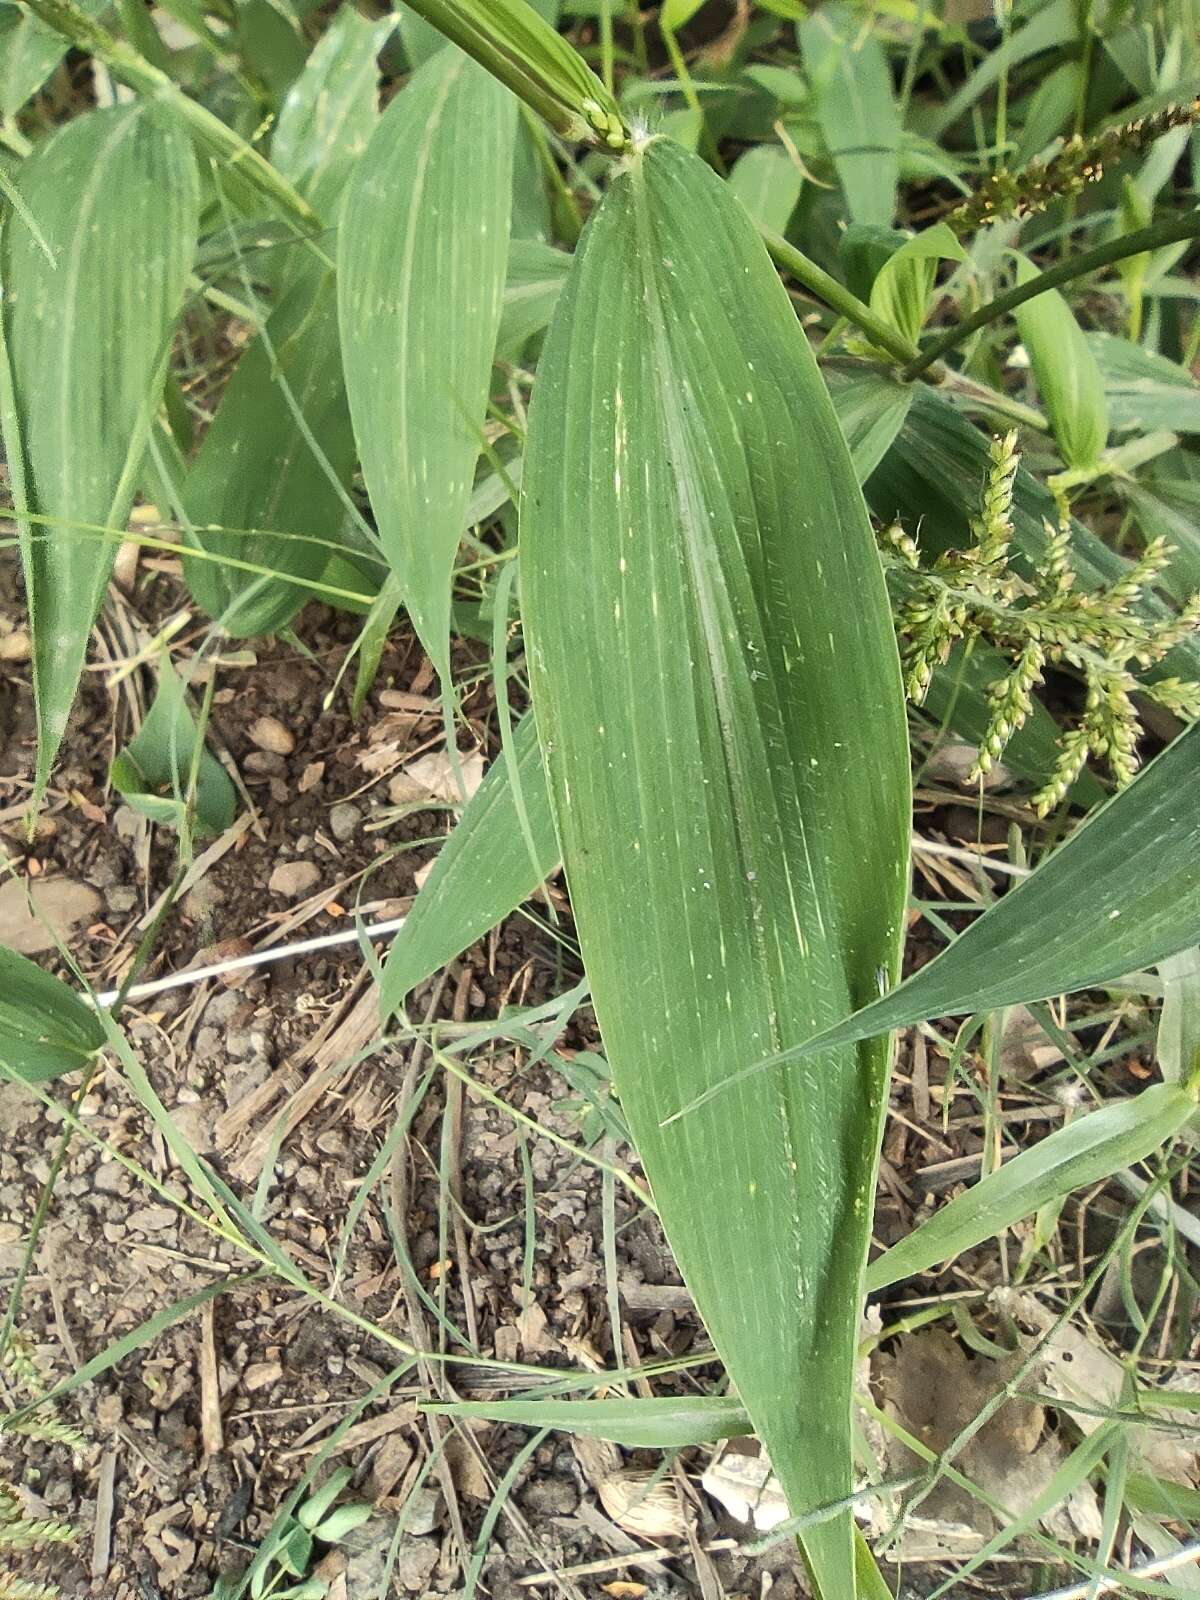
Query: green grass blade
[(45, 1028), (256, 469), (856, 110), (1122, 893), (716, 686), (116, 195), (1087, 1150), (656, 1424), (421, 269), (482, 873), (1145, 391)]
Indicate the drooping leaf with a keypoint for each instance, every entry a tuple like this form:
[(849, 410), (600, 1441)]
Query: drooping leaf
[(657, 1424), (483, 872), (1122, 893), (1145, 391), (1086, 1151), (45, 1028), (154, 770), (1067, 374), (116, 195), (717, 692), (767, 182), (856, 109), (258, 470), (421, 268)]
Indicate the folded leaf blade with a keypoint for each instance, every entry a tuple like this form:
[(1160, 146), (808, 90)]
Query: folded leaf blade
[(728, 771)]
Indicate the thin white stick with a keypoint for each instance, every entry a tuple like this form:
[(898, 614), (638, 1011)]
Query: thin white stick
[(1148, 1569), (379, 930), (256, 958)]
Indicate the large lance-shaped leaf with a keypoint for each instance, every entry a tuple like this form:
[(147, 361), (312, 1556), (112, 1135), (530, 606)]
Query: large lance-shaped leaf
[(716, 685), (1122, 893), (116, 195), (421, 263)]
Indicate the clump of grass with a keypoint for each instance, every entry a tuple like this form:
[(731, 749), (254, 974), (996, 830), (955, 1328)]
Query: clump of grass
[(977, 593)]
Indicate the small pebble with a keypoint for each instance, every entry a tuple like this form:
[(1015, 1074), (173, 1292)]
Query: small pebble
[(293, 879), (344, 819), (268, 733)]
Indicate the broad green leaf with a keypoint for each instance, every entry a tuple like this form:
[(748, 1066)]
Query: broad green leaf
[(45, 1028), (116, 195), (331, 110), (1085, 1151), (421, 268), (154, 770), (257, 468), (658, 1424), (1169, 508), (871, 406), (1178, 1048), (29, 52), (1066, 372), (1159, 1497), (420, 38), (1122, 893), (482, 872), (856, 109), (715, 679), (1145, 391), (767, 182)]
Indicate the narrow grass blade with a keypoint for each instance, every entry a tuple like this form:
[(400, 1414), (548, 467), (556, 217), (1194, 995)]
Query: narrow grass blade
[(1053, 25), (481, 874), (257, 467), (1122, 893), (658, 1424), (116, 195), (421, 268), (1178, 1047), (45, 1028), (1087, 1150), (856, 110), (715, 680)]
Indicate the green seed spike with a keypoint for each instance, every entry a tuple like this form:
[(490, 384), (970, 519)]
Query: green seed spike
[(528, 56)]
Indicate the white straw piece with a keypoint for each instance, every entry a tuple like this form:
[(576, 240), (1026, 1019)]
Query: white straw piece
[(256, 958)]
